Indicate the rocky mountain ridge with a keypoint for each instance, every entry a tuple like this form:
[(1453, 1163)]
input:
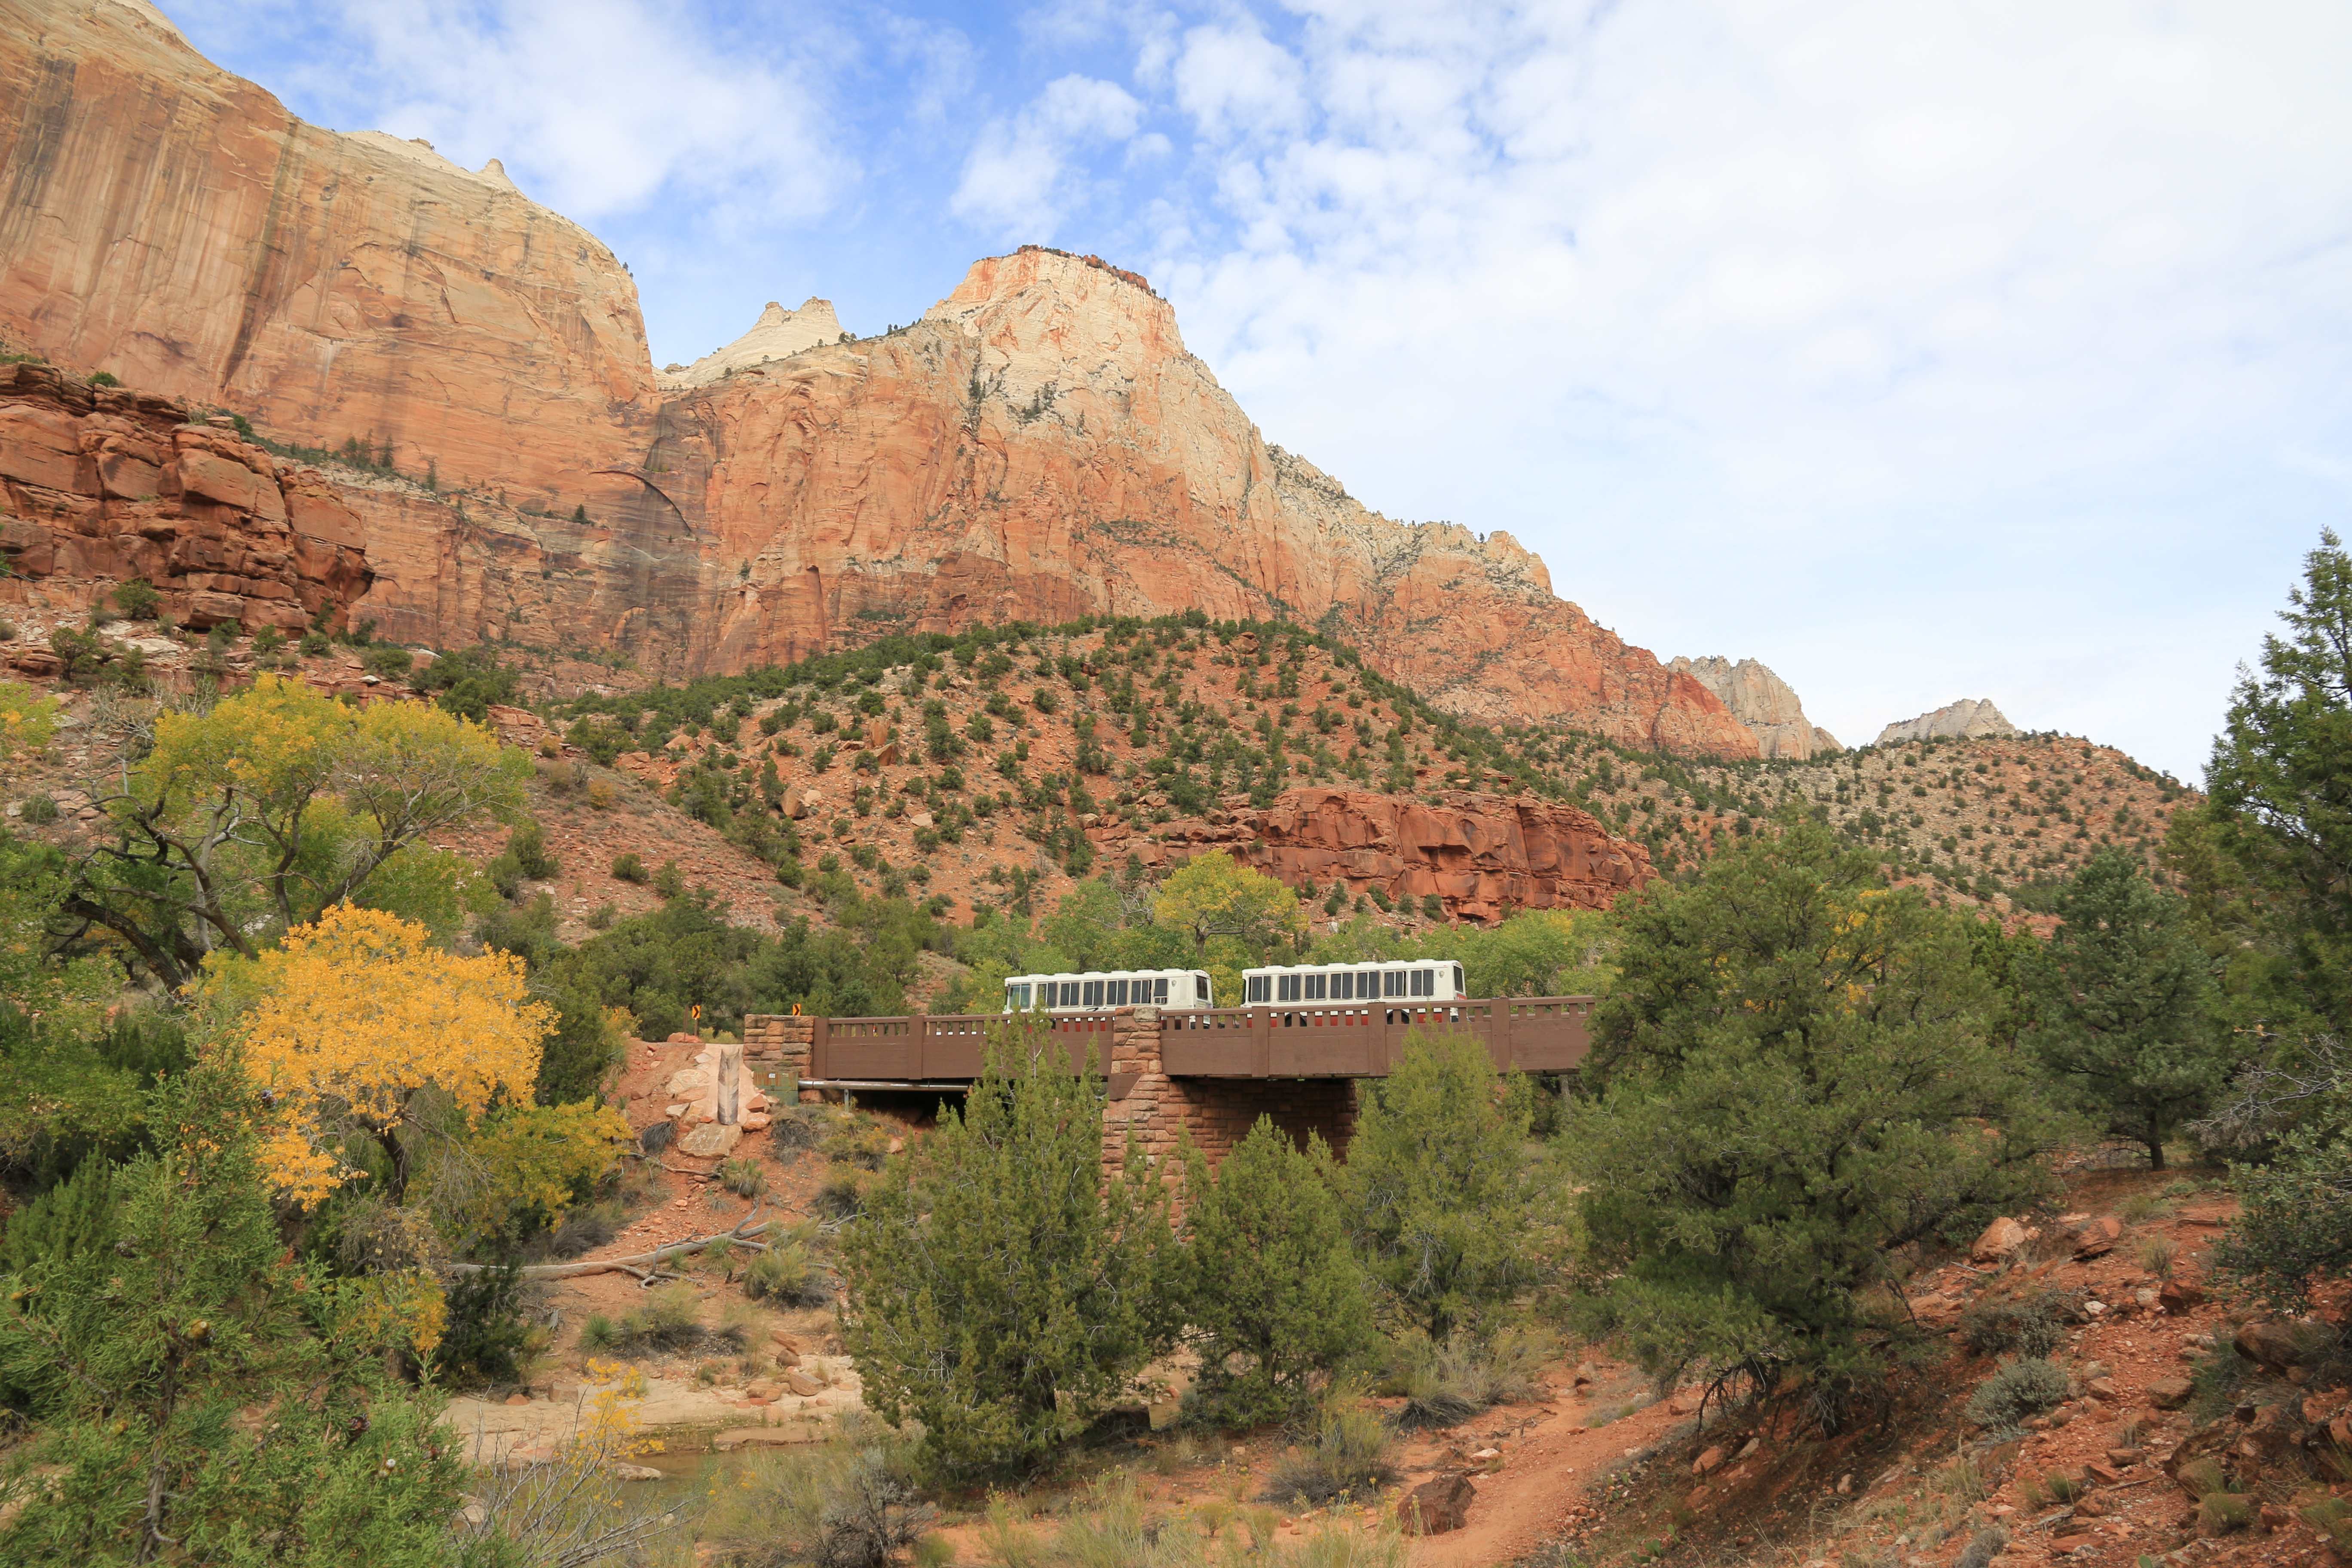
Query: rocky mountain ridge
[(1762, 701), (1969, 718), (1041, 444)]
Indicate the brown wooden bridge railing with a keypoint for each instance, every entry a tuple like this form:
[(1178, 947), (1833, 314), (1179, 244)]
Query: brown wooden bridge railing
[(1540, 1034)]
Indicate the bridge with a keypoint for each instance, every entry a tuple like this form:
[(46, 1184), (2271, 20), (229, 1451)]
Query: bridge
[(1211, 1071)]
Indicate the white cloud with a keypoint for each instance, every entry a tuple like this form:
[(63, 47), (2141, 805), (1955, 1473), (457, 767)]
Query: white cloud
[(1026, 170), (596, 106), (1756, 317)]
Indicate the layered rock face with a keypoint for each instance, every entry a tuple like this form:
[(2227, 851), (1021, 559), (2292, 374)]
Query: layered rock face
[(1969, 718), (1762, 701), (1040, 444), (99, 485), (1483, 854), (173, 223)]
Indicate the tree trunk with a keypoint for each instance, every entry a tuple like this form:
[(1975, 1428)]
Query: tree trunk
[(2155, 1153), (396, 1184)]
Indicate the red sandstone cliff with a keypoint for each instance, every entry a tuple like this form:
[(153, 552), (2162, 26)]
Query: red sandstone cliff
[(1041, 444), (173, 224), (99, 485)]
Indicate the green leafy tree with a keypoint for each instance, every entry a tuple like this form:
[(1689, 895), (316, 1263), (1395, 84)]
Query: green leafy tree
[(2123, 1003), (1441, 1191), (1000, 1291), (277, 803), (1278, 1298), (1790, 1081), (139, 1364)]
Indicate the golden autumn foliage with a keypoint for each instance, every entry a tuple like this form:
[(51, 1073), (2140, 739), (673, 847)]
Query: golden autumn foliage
[(345, 1025), (527, 1166)]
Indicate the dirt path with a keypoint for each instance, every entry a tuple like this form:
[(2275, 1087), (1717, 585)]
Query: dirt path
[(1548, 1455)]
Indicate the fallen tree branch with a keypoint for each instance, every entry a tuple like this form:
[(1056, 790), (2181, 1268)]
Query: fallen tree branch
[(635, 1263)]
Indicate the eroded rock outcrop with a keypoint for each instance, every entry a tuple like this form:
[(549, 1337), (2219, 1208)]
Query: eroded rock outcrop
[(99, 485), (1764, 702), (1969, 718), (1040, 444), (778, 334), (173, 224), (1482, 855)]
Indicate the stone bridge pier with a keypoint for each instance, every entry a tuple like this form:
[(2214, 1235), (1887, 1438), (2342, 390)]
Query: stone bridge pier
[(1142, 1099)]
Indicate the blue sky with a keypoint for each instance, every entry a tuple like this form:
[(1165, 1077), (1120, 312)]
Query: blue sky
[(1921, 351)]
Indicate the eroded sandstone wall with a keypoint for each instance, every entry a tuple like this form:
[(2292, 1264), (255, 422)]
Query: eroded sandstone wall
[(173, 224), (99, 485)]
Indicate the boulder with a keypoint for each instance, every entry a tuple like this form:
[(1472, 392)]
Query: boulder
[(1438, 1506), (2001, 1240), (2098, 1237), (2276, 1345), (709, 1140), (2180, 1295), (2171, 1393)]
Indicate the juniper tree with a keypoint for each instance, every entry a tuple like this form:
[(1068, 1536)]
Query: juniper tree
[(1000, 1291), (1441, 1189), (2123, 1005), (1790, 1081), (1277, 1298)]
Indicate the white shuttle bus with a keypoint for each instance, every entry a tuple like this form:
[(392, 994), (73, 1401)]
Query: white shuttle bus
[(1100, 990), (1403, 980)]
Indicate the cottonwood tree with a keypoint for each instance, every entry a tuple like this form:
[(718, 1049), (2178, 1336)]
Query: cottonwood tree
[(251, 817), (1789, 1082), (351, 1020)]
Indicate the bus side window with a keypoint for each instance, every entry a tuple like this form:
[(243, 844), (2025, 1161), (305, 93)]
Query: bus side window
[(1343, 985), (1016, 997), (1425, 982), (1392, 982), (1286, 987), (1314, 986), (1367, 984), (1201, 989), (1159, 992), (1257, 988), (1119, 993), (1093, 993), (1069, 993), (1459, 988)]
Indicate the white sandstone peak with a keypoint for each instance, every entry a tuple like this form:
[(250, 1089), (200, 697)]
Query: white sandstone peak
[(778, 334)]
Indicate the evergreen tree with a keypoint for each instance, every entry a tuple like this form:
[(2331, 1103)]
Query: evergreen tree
[(1790, 1081), (2123, 1005), (1440, 1187), (1276, 1296), (1000, 1291), (2278, 811), (195, 1399)]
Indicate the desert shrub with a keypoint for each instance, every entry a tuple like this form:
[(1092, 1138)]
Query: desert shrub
[(668, 1321), (1444, 1385), (267, 641), (40, 809), (669, 881), (2032, 1325), (791, 1130), (1348, 1457), (313, 644), (2158, 1255), (787, 1276), (387, 662), (2016, 1391), (843, 1505), (137, 599), (853, 1141), (628, 868), (1276, 1299), (2219, 1512), (586, 1227), (528, 845), (486, 1336), (1983, 1547), (744, 1178), (842, 1197)]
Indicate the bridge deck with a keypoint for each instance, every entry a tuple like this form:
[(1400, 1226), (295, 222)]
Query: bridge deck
[(1539, 1033)]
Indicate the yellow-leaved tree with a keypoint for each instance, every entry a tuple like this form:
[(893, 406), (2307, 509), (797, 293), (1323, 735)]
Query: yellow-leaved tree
[(1236, 916), (253, 815), (347, 1023)]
